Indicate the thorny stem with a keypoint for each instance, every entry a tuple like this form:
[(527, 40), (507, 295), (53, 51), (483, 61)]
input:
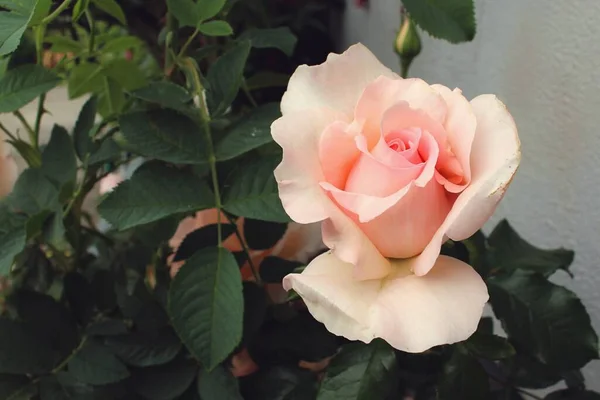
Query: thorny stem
[(188, 65), (27, 127), (7, 132)]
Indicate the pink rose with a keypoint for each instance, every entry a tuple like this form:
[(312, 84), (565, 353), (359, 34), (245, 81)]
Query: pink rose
[(393, 167)]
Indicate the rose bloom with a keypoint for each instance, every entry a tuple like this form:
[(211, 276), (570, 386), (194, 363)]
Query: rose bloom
[(392, 167)]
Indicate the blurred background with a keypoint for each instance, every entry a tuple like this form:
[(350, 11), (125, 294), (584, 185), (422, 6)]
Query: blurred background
[(542, 59)]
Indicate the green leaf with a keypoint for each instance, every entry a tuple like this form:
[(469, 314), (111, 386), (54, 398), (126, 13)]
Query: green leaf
[(95, 365), (62, 44), (201, 238), (54, 231), (216, 28), (34, 193), (452, 20), (463, 378), (112, 8), (83, 127), (263, 235), (185, 11), (489, 346), (361, 372), (206, 305), (106, 327), (255, 310), (165, 135), (209, 8), (58, 159), (154, 192), (166, 94), (280, 38), (528, 372), (251, 191), (79, 9), (23, 350), (165, 382), (508, 251), (546, 319), (299, 337), (218, 384), (35, 223), (109, 150), (121, 44), (23, 84), (225, 77), (252, 131), (12, 237), (126, 73), (63, 387), (42, 8), (85, 78), (144, 350), (13, 22), (111, 99), (49, 318)]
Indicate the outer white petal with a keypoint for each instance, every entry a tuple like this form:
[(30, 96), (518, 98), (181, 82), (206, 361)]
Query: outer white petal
[(411, 313), (337, 83), (414, 313), (299, 173)]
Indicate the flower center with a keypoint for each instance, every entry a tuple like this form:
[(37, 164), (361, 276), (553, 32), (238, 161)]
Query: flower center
[(397, 145)]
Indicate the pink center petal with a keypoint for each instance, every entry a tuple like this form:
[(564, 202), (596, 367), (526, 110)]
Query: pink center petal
[(338, 152), (381, 172), (402, 118)]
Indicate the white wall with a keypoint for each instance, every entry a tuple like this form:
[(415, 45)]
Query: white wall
[(542, 58)]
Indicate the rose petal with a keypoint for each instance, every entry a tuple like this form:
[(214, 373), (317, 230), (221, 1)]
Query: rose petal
[(460, 125), (365, 206), (364, 201), (299, 173), (337, 83), (411, 313), (415, 313), (379, 174), (343, 236), (406, 228), (495, 157), (384, 92), (401, 116), (335, 298), (338, 153)]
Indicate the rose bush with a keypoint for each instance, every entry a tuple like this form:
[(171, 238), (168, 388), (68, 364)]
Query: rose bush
[(393, 167)]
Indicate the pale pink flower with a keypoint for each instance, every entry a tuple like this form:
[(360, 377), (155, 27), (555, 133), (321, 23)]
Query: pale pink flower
[(392, 167)]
